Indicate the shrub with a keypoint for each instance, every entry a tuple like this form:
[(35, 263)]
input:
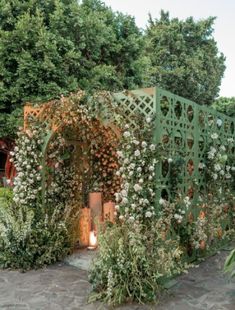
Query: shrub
[(132, 262)]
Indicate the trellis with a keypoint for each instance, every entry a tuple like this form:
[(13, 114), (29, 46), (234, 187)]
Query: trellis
[(184, 129)]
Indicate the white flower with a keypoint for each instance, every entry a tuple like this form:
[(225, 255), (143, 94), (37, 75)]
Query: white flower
[(126, 161), (119, 153), (151, 168), (132, 166), (126, 134), (162, 201), (187, 201), (139, 169), (148, 214), (217, 167), (219, 122), (131, 218), (137, 153), (124, 201), (133, 205), (136, 142), (201, 165), (124, 193), (137, 188), (121, 217), (230, 140), (215, 176), (141, 181), (117, 197), (222, 148), (214, 136), (148, 120), (222, 172), (144, 144), (152, 147), (170, 160), (211, 155)]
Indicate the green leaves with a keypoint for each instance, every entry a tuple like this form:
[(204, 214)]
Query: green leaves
[(185, 58), (52, 47), (229, 266), (225, 105)]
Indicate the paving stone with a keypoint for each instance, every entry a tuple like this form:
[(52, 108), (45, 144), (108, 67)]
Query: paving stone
[(65, 286)]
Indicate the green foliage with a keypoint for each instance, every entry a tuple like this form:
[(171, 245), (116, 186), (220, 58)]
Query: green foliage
[(49, 48), (10, 122), (131, 262), (229, 266), (6, 196), (6, 193), (134, 256), (32, 233), (32, 238), (225, 105), (185, 58)]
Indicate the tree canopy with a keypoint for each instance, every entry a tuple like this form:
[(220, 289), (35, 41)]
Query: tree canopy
[(54, 47), (184, 57), (225, 105)]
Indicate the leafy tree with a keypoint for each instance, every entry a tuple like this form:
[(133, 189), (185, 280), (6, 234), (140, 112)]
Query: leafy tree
[(225, 105), (184, 57), (52, 47)]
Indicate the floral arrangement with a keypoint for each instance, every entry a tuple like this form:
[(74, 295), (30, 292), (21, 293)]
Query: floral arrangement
[(39, 224), (150, 238), (77, 145), (134, 254)]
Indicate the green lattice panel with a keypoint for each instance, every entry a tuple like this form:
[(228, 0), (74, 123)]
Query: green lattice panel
[(136, 102), (184, 128)]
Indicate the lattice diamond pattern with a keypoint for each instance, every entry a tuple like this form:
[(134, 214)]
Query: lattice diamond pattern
[(185, 129)]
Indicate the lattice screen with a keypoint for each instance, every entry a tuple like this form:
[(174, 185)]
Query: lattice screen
[(184, 128), (131, 103)]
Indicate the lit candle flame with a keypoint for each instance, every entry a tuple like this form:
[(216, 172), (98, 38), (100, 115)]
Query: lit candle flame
[(92, 239)]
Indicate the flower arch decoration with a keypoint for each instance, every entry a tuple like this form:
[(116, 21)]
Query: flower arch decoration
[(64, 152)]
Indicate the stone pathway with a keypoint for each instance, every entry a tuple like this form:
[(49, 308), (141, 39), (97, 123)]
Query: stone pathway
[(65, 287)]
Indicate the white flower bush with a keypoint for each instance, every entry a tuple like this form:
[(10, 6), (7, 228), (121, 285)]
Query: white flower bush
[(135, 254), (137, 161)]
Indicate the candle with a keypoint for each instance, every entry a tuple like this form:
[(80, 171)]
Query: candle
[(84, 226), (109, 211), (92, 240), (95, 204)]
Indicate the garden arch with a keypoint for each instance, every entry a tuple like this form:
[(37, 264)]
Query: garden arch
[(89, 145)]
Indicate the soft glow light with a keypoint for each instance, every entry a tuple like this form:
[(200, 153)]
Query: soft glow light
[(92, 239)]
